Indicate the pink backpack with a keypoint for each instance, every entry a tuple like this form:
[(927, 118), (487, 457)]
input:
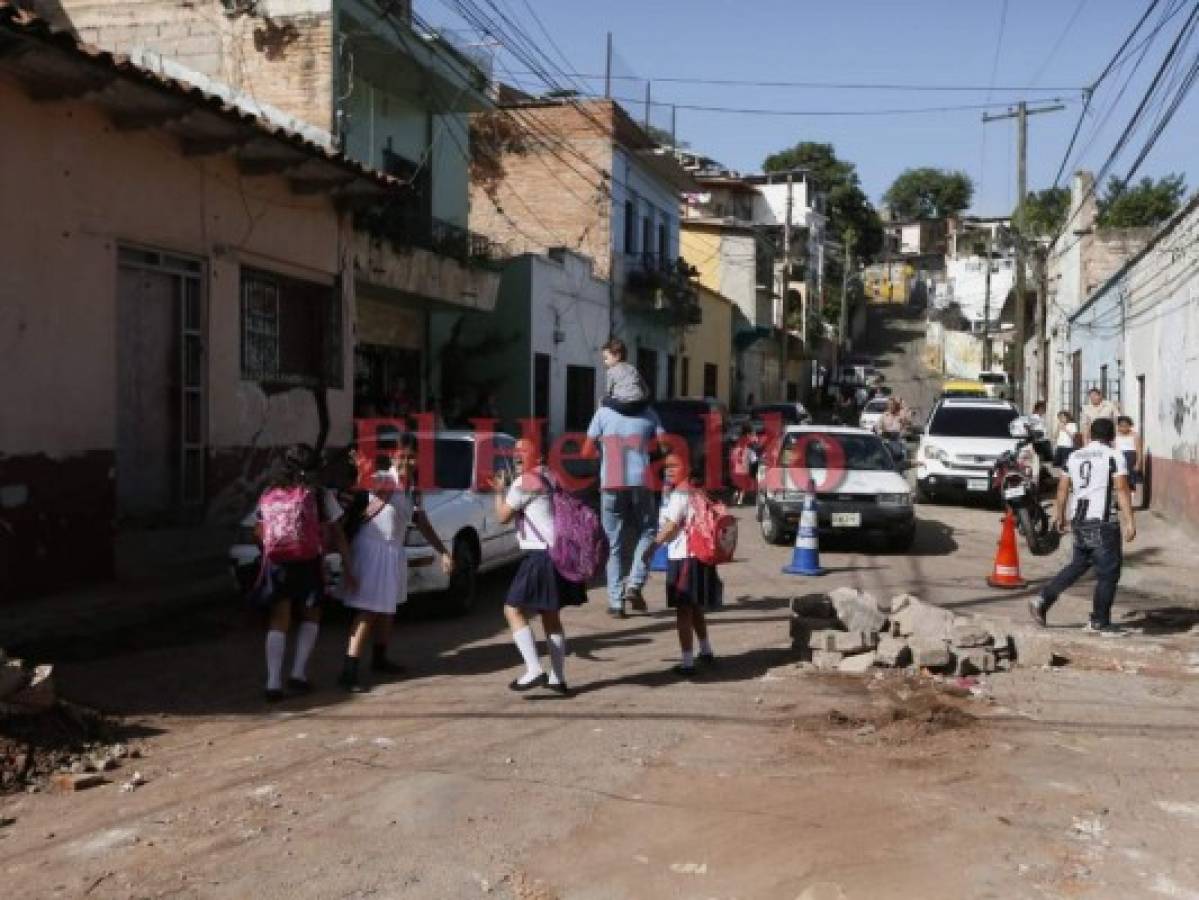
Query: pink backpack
[(580, 548), (291, 525), (711, 531)]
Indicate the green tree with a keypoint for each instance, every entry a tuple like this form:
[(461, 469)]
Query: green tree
[(848, 206), (1043, 212), (928, 193), (1146, 204)]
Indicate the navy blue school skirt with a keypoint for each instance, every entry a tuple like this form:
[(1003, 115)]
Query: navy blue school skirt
[(302, 582), (538, 587), (692, 583)]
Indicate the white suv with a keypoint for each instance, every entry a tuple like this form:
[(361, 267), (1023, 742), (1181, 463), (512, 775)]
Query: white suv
[(960, 444)]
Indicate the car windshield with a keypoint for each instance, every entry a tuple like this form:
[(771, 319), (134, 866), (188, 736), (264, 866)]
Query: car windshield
[(972, 421), (684, 417), (858, 452), (452, 464), (786, 411), (876, 406)]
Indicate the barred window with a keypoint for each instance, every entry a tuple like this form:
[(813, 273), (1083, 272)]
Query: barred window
[(291, 330)]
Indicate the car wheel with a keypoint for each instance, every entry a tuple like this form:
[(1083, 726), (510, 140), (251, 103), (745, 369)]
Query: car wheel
[(464, 580), (772, 528), (902, 542)]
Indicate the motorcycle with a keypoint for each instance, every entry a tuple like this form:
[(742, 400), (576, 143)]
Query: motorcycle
[(1017, 479)]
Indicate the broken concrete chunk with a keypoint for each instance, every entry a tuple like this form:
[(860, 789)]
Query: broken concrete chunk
[(924, 620), (825, 639), (858, 663), (931, 654), (1032, 648), (854, 641), (893, 651), (897, 603), (975, 661), (826, 660), (857, 611), (68, 782), (965, 633), (813, 606)]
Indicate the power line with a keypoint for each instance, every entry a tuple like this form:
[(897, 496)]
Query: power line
[(1057, 45), (822, 85)]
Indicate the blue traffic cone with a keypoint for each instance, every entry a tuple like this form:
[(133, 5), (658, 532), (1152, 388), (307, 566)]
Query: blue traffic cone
[(658, 563), (805, 560)]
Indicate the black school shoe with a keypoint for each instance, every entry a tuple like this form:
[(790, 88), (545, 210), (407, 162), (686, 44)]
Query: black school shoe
[(541, 680), (708, 659), (560, 688), (683, 671), (387, 667), (636, 602), (273, 695), (299, 686)]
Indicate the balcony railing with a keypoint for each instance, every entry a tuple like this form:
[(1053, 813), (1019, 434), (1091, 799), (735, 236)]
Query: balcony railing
[(656, 282), (407, 229)]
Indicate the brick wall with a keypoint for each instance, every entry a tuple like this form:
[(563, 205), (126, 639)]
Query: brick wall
[(285, 60), (549, 192)]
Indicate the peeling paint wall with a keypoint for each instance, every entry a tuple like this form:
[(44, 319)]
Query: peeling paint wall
[(83, 190)]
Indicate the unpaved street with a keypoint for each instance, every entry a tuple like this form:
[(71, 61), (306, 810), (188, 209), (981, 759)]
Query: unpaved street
[(758, 780)]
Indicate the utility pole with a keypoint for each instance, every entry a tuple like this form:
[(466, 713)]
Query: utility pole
[(1041, 269), (647, 102), (987, 308), (786, 289), (1021, 114), (843, 317), (608, 69)]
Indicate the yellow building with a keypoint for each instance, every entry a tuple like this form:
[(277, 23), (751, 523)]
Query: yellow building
[(705, 351)]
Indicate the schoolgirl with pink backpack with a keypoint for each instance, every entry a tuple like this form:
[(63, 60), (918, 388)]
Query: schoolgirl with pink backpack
[(296, 518), (700, 534)]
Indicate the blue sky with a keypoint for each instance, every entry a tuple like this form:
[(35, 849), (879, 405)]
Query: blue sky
[(935, 42)]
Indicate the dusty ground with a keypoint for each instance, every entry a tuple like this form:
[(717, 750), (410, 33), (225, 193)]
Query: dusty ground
[(756, 781)]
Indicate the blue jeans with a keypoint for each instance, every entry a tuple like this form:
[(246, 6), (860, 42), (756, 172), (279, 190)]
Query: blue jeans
[(1096, 544), (620, 510)]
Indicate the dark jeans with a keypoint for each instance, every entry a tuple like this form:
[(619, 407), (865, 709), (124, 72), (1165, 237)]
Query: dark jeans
[(1096, 544)]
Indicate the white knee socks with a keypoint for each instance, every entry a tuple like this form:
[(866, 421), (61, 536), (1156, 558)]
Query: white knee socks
[(527, 645), (276, 646), (557, 642), (305, 641)]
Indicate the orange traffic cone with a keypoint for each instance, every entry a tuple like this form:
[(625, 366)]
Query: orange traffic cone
[(1006, 573)]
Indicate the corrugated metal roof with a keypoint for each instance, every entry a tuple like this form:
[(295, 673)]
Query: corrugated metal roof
[(54, 65)]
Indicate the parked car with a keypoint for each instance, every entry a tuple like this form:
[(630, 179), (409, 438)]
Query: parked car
[(462, 515), (872, 412), (687, 419), (858, 488), (997, 384), (960, 445)]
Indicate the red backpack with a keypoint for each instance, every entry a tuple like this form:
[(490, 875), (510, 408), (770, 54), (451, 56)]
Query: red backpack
[(291, 524), (711, 531)]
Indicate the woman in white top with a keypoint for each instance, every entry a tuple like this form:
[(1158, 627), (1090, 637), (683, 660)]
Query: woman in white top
[(1066, 441), (380, 563), (1129, 443), (537, 589)]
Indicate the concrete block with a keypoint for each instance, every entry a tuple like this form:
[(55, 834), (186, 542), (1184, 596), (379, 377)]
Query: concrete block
[(854, 641), (965, 633), (897, 603), (827, 660), (857, 611), (931, 654), (858, 663), (813, 606), (924, 620), (824, 639), (893, 651), (1033, 649), (975, 661)]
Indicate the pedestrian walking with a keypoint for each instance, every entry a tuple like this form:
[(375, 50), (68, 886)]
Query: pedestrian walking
[(537, 590), (292, 513), (1098, 407), (1129, 443), (743, 461), (692, 587), (1096, 474), (627, 503), (378, 558), (1065, 441)]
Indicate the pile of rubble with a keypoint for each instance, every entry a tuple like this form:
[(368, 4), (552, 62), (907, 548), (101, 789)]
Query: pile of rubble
[(847, 630), (46, 742)]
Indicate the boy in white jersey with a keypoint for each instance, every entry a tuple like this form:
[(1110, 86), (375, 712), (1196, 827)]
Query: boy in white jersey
[(1095, 475)]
